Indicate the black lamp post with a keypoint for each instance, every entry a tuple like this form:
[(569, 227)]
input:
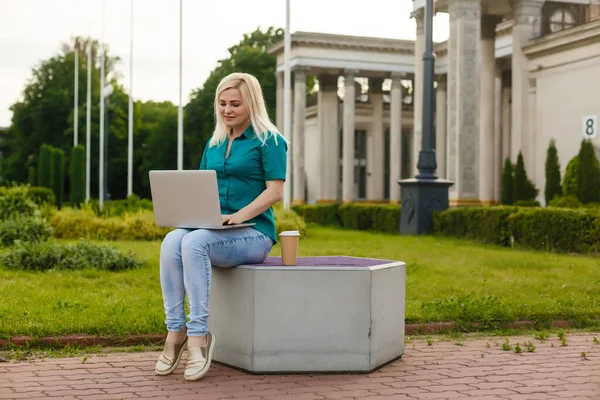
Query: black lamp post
[(425, 193)]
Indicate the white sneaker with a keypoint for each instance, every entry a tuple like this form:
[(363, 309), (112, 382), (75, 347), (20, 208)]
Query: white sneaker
[(199, 358)]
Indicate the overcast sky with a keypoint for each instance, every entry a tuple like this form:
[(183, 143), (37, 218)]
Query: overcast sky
[(32, 30)]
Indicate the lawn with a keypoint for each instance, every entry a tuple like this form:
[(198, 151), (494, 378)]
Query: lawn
[(447, 280)]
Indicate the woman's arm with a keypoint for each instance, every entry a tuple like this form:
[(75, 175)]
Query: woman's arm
[(271, 195)]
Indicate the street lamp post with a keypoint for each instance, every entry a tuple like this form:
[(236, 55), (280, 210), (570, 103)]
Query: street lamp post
[(425, 193)]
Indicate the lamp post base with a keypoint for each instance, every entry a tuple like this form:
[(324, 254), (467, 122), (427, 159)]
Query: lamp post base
[(420, 198)]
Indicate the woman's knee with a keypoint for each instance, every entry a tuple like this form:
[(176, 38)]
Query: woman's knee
[(173, 240), (197, 241)]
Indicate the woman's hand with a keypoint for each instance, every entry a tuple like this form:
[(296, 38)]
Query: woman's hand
[(232, 219)]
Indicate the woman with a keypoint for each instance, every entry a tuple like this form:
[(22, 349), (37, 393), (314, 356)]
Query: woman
[(249, 155)]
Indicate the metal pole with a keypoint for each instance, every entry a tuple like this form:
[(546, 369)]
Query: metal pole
[(287, 104), (427, 163), (106, 138), (130, 125), (101, 146), (76, 97), (88, 122), (180, 109)]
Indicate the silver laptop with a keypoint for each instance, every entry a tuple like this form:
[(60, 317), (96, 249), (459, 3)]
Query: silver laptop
[(187, 199)]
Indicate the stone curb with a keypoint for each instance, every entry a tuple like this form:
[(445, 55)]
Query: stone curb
[(133, 340)]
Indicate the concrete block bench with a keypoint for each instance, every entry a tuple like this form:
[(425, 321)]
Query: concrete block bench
[(327, 314)]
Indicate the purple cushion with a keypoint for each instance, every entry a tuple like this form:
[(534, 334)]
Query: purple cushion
[(326, 261)]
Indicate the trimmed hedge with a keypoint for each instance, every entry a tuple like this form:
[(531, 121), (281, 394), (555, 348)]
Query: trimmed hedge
[(362, 216), (565, 230), (540, 228), (484, 224), (548, 228)]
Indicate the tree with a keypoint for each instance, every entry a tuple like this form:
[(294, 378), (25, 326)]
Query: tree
[(524, 188), (77, 175), (45, 115), (507, 191), (58, 174), (570, 186), (44, 170), (249, 55), (589, 174), (553, 187)]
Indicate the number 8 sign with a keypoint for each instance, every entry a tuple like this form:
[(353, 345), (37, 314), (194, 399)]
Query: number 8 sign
[(590, 127)]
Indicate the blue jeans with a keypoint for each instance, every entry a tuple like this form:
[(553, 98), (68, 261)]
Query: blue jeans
[(186, 257)]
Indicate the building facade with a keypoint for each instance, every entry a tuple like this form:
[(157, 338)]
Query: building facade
[(513, 75)]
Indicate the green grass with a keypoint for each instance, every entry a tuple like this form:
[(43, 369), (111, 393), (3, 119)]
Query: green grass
[(447, 280)]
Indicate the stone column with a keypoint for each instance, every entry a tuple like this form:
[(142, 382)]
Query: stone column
[(395, 137), (497, 134), (530, 138), (348, 191), (528, 15), (299, 175), (506, 123), (375, 143), (594, 10), (328, 128), (279, 101), (419, 16), (464, 51), (441, 122), (487, 109)]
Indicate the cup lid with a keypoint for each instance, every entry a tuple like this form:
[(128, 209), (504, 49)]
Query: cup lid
[(289, 233)]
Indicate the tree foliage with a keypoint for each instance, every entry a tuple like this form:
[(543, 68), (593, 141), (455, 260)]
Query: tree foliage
[(507, 191), (589, 174), (553, 187), (249, 55)]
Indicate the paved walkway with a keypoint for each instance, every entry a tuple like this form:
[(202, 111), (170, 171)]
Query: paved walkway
[(444, 370)]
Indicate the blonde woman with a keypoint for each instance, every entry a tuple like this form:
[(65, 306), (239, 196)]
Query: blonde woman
[(249, 156)]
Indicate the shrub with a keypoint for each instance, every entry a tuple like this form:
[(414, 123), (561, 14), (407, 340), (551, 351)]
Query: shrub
[(115, 208), (484, 224), (527, 203), (41, 195), (58, 175), (288, 220), (51, 255), (507, 189), (553, 187), (322, 214), (565, 202), (563, 230), (379, 217), (16, 201), (589, 174), (524, 188), (71, 223), (30, 229), (24, 228), (77, 175), (571, 180), (44, 170)]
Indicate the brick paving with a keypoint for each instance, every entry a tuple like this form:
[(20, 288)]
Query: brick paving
[(444, 370)]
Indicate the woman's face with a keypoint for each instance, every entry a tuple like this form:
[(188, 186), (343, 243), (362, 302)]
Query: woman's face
[(232, 108)]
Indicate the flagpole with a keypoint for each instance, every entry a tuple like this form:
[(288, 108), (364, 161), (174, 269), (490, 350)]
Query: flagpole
[(130, 125), (180, 109), (101, 158), (88, 120), (287, 104), (76, 98)]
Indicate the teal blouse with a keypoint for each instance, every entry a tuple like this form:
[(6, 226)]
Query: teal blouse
[(242, 176)]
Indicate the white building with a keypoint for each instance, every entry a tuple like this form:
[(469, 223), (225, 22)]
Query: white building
[(512, 75)]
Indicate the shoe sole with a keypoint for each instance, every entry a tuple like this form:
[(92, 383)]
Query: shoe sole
[(204, 370), (176, 363)]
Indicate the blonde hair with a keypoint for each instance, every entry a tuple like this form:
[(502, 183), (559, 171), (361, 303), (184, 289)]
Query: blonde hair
[(255, 103)]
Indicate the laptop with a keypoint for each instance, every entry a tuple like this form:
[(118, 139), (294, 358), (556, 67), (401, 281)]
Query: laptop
[(187, 199)]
